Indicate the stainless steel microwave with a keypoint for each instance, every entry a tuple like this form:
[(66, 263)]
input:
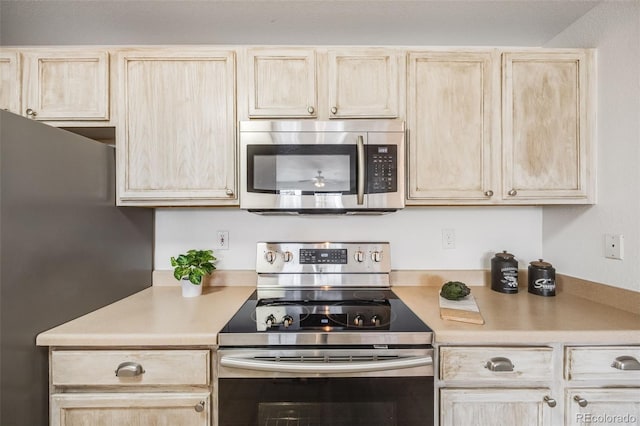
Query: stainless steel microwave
[(315, 167)]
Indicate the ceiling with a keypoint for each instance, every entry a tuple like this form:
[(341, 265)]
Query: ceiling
[(317, 22)]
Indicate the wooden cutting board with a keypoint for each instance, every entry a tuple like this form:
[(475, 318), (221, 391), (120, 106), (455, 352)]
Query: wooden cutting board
[(464, 310)]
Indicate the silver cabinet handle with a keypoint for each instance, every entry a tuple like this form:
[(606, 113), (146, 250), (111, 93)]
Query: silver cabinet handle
[(550, 401), (31, 113), (334, 110), (199, 407), (581, 401), (360, 171), (488, 193), (499, 364), (626, 362), (129, 369), (229, 192), (311, 110), (513, 192)]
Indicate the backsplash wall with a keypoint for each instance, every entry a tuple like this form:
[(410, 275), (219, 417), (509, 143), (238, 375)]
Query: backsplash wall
[(415, 234)]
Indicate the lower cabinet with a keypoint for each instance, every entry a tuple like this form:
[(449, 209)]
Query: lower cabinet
[(495, 407), (538, 385), (497, 386), (611, 406), (131, 387), (128, 408), (603, 385)]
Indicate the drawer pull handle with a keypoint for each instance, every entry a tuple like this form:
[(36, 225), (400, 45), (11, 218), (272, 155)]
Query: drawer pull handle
[(581, 401), (499, 364), (550, 401), (199, 407), (129, 369), (626, 362)]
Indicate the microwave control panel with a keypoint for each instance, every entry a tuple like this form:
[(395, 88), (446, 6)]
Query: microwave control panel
[(382, 169)]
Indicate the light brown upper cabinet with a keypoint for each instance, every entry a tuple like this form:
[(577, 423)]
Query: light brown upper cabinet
[(547, 127), (363, 83), (10, 80), (449, 117), (282, 83), (60, 84), (519, 133), (324, 84), (176, 127)]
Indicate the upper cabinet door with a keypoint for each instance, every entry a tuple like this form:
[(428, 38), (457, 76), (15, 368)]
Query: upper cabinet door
[(449, 121), (66, 85), (10, 81), (282, 83), (547, 120), (176, 128), (363, 83)]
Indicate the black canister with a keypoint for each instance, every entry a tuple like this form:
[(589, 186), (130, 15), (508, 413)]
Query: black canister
[(542, 278), (504, 273)]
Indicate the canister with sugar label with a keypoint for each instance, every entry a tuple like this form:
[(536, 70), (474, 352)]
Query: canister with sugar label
[(542, 278)]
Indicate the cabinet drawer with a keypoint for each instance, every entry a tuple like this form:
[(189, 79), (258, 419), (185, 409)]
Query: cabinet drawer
[(475, 363), (600, 362), (160, 367)]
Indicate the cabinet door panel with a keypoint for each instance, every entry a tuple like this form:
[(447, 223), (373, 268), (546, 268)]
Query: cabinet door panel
[(282, 83), (363, 85), (10, 81), (603, 407), (108, 409), (545, 126), (449, 117), (67, 85), (494, 407), (178, 129)]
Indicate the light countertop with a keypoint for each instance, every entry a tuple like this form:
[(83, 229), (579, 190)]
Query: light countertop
[(160, 316)]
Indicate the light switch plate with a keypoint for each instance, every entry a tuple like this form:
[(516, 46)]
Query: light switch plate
[(614, 246)]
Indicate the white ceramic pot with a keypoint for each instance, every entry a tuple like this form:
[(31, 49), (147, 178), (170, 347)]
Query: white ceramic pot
[(189, 289)]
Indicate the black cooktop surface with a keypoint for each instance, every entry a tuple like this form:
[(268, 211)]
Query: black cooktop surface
[(328, 311)]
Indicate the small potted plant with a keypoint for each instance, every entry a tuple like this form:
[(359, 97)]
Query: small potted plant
[(190, 268)]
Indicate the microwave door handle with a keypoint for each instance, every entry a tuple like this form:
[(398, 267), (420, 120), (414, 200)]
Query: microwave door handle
[(360, 170)]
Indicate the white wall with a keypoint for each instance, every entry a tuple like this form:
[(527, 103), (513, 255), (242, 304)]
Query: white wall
[(415, 234), (573, 238)]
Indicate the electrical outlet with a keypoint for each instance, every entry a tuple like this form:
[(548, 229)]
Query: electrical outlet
[(613, 246), (448, 238), (223, 240)]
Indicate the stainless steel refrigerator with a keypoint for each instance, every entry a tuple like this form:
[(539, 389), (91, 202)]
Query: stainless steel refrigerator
[(66, 250)]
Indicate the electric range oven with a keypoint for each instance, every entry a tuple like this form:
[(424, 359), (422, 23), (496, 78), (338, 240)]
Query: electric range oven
[(324, 341)]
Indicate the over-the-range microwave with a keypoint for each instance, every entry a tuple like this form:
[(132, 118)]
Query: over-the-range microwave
[(322, 167)]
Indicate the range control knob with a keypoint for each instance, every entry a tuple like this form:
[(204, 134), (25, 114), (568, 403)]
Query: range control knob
[(270, 256), (375, 320), (271, 320), (288, 256), (376, 256), (359, 256), (287, 320), (358, 320)]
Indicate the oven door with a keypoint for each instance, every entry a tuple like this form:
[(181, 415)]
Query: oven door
[(325, 387)]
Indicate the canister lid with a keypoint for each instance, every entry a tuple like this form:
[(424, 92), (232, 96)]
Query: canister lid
[(504, 255), (541, 264)]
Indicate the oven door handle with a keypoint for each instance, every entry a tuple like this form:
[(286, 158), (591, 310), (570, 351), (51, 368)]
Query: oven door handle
[(360, 170), (325, 367)]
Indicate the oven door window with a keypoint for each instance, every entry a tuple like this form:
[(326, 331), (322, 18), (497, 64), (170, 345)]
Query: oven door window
[(301, 169), (385, 401)]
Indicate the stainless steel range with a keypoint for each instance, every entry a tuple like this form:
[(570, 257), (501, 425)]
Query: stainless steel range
[(325, 341)]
